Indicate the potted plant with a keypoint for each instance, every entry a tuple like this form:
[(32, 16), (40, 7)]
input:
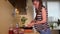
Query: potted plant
[(26, 29), (23, 20), (51, 25)]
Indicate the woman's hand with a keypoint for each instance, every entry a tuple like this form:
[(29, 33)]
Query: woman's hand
[(39, 22), (31, 23)]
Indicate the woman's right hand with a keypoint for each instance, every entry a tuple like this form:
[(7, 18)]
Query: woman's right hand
[(31, 23)]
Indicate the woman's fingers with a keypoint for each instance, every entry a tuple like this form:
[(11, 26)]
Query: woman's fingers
[(31, 24)]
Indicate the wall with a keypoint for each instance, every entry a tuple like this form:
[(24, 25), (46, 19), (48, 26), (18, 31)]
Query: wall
[(6, 18)]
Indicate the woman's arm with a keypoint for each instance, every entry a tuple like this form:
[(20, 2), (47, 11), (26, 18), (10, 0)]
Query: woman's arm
[(44, 17)]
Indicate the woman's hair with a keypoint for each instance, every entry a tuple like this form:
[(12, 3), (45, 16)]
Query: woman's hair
[(40, 3)]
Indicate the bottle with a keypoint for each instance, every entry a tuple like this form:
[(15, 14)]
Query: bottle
[(17, 25), (21, 31), (16, 29), (11, 29)]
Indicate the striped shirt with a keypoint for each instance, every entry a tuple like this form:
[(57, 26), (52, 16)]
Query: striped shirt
[(42, 26)]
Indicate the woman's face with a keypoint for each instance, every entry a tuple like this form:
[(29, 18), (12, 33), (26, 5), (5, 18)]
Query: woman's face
[(36, 4)]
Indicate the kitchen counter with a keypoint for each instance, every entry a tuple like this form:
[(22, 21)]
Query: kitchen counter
[(53, 31)]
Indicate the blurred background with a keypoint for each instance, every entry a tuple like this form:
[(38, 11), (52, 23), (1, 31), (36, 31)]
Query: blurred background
[(21, 12)]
